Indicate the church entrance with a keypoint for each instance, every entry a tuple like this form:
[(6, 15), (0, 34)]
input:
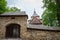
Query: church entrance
[(13, 31)]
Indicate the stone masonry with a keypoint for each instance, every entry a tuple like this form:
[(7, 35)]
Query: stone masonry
[(42, 35), (4, 21), (25, 32)]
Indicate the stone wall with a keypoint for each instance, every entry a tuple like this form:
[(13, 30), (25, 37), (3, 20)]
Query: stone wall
[(42, 35), (27, 34), (4, 21)]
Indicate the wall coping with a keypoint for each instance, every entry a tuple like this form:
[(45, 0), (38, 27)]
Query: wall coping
[(43, 27)]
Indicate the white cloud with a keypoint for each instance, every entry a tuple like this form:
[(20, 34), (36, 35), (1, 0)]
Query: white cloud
[(28, 6), (31, 1)]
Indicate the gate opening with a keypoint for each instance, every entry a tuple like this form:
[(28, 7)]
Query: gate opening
[(12, 31)]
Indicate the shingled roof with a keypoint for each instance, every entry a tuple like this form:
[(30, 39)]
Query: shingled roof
[(22, 13), (15, 13), (43, 27)]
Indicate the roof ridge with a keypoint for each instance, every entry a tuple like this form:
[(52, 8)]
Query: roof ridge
[(14, 13)]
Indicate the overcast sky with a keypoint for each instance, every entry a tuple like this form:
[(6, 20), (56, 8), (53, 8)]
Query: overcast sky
[(28, 6)]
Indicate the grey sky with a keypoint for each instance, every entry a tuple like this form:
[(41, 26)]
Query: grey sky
[(28, 6)]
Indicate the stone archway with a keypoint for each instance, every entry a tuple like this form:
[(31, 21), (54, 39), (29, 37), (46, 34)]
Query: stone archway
[(12, 31)]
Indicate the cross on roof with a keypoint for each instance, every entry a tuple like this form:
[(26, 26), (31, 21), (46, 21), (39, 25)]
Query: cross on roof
[(35, 14)]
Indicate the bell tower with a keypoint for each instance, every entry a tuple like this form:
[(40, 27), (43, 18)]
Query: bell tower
[(35, 19)]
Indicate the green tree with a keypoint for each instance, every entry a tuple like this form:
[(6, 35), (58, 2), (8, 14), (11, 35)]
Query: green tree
[(58, 10), (3, 4), (49, 18), (50, 14), (12, 9)]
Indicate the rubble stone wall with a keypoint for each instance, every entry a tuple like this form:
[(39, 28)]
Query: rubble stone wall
[(27, 34), (42, 35), (4, 21)]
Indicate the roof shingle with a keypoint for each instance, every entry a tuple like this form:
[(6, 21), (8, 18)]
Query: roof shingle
[(15, 13)]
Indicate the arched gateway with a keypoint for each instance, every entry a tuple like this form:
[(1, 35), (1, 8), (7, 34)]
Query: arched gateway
[(12, 31), (13, 24)]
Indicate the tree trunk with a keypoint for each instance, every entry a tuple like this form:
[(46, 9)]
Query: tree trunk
[(58, 10)]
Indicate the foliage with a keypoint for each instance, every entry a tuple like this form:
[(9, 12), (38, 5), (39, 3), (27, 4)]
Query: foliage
[(50, 14), (49, 18), (2, 6), (12, 9), (58, 10)]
